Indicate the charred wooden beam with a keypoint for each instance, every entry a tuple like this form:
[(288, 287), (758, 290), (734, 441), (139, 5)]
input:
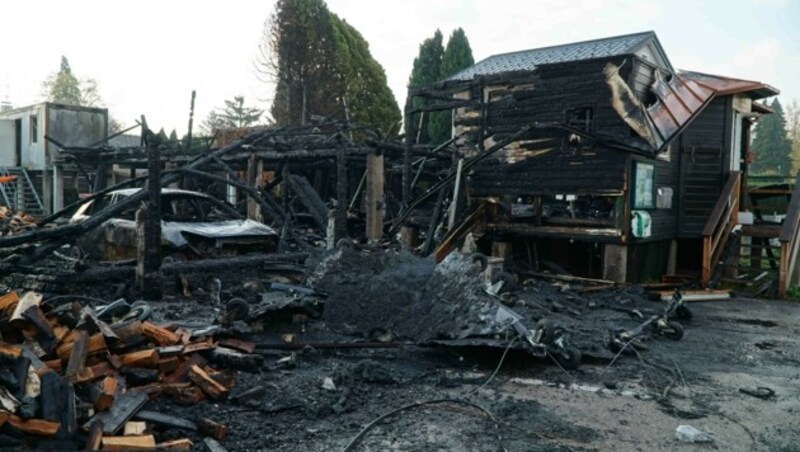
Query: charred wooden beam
[(271, 208)]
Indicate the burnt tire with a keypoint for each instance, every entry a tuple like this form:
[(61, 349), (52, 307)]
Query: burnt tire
[(683, 312), (569, 357), (237, 309), (509, 282), (673, 331), (480, 259)]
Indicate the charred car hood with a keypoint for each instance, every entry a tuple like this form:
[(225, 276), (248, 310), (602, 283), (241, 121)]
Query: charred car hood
[(173, 231)]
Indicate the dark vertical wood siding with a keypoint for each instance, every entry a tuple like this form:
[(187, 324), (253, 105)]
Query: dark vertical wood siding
[(704, 149)]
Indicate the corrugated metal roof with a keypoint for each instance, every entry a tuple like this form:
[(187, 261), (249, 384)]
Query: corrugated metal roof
[(728, 85), (685, 95), (527, 60)]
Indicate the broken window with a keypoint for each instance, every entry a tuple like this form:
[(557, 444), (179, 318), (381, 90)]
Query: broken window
[(643, 193), (580, 118), (34, 126)]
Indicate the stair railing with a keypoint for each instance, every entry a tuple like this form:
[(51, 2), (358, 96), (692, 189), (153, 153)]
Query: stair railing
[(33, 189), (718, 227), (789, 241)]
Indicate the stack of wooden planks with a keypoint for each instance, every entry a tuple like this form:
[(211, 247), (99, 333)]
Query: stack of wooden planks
[(69, 379)]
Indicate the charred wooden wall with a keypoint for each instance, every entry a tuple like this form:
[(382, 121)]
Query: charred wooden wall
[(545, 162), (704, 157)]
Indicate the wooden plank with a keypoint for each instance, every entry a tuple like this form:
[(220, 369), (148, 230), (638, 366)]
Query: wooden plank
[(95, 436), (10, 350), (102, 394), (238, 344), (213, 429), (138, 442), (213, 445), (176, 444), (210, 387), (77, 357), (182, 371), (142, 358), (200, 346), (696, 295), (38, 427), (164, 420), (99, 370), (159, 335), (124, 408), (128, 330), (8, 303), (134, 428)]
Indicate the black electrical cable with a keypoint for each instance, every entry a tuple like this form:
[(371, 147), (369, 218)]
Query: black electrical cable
[(375, 421)]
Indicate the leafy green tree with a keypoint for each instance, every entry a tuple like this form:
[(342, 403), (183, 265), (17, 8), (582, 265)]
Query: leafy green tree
[(233, 115), (427, 69), (322, 66), (64, 87), (771, 144)]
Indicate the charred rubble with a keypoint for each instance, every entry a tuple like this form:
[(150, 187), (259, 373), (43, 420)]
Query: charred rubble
[(90, 354)]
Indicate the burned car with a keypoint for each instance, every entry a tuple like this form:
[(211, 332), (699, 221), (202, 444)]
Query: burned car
[(192, 225)]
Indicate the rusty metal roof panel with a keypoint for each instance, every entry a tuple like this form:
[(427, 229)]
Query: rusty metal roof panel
[(727, 85), (679, 100)]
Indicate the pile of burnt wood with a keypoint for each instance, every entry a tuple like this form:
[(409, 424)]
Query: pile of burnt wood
[(73, 376)]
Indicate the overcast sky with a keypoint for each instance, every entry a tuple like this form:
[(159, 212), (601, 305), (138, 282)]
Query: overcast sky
[(147, 56)]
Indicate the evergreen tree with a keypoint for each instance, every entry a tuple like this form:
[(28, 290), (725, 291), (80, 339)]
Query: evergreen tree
[(362, 81), (793, 124), (771, 144), (64, 87), (427, 69), (233, 115), (322, 67), (435, 63), (457, 54)]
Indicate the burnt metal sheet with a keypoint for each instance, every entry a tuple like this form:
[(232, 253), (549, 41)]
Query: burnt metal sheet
[(727, 85), (679, 100)]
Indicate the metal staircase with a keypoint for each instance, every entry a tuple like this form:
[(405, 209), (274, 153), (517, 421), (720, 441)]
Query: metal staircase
[(18, 192)]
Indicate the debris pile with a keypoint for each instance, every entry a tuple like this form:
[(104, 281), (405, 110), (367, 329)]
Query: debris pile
[(80, 376), (12, 222)]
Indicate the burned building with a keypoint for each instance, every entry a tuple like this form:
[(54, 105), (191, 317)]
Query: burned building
[(41, 183), (605, 160)]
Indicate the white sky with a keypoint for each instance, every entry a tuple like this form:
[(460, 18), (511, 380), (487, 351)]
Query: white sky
[(147, 56)]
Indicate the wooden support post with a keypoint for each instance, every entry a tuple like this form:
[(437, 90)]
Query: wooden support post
[(615, 263), (148, 222), (255, 169), (672, 260), (374, 197), (409, 150), (340, 228), (456, 192), (501, 249)]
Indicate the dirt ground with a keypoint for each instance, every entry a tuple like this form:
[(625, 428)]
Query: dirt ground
[(612, 402)]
